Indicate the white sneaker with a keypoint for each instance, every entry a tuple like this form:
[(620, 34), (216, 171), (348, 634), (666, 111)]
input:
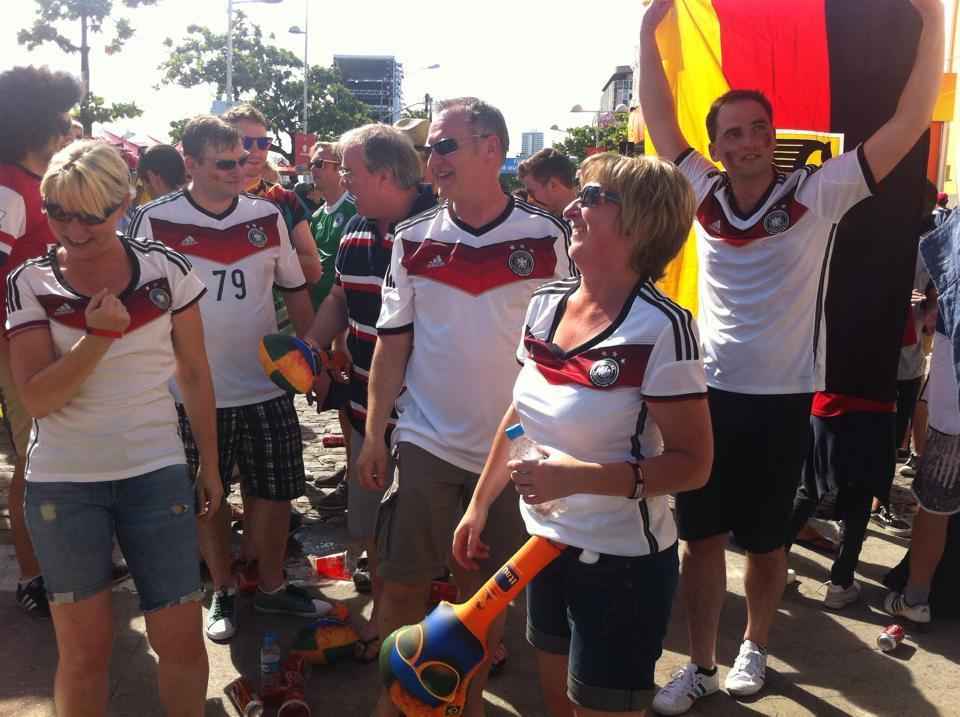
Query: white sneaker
[(896, 604), (749, 671), (838, 597), (222, 618), (685, 688)]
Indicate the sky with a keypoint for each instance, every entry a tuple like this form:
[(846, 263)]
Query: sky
[(533, 60)]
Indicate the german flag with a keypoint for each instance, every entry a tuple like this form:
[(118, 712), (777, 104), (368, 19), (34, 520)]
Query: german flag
[(834, 70)]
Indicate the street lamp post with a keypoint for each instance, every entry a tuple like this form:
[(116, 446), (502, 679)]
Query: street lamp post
[(427, 104), (295, 30), (230, 4)]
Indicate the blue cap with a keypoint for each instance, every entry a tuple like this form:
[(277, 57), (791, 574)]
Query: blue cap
[(514, 432)]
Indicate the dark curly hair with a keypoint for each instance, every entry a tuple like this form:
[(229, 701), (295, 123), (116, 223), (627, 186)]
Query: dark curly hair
[(31, 112)]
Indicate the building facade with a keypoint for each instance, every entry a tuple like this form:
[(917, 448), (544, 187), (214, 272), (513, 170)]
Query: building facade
[(375, 80), (531, 143)]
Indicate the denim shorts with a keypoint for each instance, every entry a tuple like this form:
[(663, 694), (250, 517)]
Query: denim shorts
[(72, 526), (610, 618)]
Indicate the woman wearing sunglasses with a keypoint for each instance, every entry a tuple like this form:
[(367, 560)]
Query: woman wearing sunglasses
[(97, 328), (613, 392)]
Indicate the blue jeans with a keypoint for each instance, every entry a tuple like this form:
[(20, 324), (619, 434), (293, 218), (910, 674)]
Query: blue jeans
[(72, 526), (940, 250), (610, 618)]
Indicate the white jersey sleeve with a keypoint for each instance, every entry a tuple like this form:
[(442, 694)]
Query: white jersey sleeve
[(699, 171), (397, 309), (841, 183), (675, 368), (289, 274), (185, 286), (13, 218), (24, 311)]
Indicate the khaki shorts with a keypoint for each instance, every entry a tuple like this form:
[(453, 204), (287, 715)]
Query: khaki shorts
[(421, 510), (363, 505), (15, 416)]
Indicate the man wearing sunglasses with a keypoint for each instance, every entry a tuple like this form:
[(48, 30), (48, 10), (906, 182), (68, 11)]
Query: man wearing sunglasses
[(460, 278), (240, 248), (252, 125), (764, 242), (34, 125)]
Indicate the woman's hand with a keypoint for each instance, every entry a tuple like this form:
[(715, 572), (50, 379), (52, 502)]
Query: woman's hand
[(209, 491), (106, 312), (553, 476), (468, 548)]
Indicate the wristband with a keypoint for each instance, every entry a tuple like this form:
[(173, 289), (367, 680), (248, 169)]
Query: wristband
[(639, 485), (104, 333)]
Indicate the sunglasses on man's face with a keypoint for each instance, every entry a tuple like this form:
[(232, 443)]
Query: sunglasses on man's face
[(593, 195), (225, 165), (59, 214), (318, 163), (448, 145), (263, 143)]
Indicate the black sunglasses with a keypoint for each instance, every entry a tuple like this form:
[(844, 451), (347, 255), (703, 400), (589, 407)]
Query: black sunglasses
[(448, 145), (59, 214), (318, 163), (263, 143), (225, 165), (593, 195)]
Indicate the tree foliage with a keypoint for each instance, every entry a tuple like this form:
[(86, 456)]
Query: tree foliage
[(94, 108), (579, 139), (84, 16), (269, 77)]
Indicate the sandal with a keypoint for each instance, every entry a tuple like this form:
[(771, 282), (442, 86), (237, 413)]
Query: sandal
[(362, 653), (499, 661)]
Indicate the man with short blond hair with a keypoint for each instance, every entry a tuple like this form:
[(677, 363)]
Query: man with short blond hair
[(240, 248), (460, 277)]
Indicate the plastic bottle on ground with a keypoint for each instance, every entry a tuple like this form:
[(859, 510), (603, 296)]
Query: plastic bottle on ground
[(271, 672)]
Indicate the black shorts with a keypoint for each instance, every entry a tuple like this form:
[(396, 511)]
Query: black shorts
[(759, 443), (263, 440), (851, 451), (610, 618)]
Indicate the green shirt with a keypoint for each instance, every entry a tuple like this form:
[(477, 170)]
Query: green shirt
[(327, 225)]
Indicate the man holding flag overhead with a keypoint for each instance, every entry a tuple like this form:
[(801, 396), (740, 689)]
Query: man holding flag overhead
[(763, 246)]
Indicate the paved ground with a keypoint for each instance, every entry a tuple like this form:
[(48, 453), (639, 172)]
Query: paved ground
[(823, 664)]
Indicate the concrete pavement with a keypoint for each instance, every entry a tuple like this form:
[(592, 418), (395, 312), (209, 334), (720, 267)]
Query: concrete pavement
[(822, 663)]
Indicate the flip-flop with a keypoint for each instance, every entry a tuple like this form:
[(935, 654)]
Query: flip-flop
[(364, 646)]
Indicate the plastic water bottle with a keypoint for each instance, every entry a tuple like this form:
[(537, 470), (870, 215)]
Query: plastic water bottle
[(523, 448), (271, 672)]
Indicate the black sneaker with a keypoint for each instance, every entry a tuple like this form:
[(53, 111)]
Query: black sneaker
[(33, 597), (119, 572), (886, 519), (909, 469), (335, 501), (296, 522)]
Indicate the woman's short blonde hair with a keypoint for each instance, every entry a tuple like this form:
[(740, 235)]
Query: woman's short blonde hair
[(87, 176), (657, 206)]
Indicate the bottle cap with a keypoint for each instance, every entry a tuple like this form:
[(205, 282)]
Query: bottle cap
[(514, 432)]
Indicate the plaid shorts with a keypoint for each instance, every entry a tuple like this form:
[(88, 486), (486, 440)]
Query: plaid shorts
[(937, 485), (263, 440)]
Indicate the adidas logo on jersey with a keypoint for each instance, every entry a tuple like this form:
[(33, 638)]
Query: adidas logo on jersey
[(189, 241), (716, 226), (435, 263), (63, 310)]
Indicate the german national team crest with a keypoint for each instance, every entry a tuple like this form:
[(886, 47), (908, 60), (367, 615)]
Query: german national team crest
[(605, 372), (257, 237), (160, 298), (337, 221), (776, 221), (521, 262)]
